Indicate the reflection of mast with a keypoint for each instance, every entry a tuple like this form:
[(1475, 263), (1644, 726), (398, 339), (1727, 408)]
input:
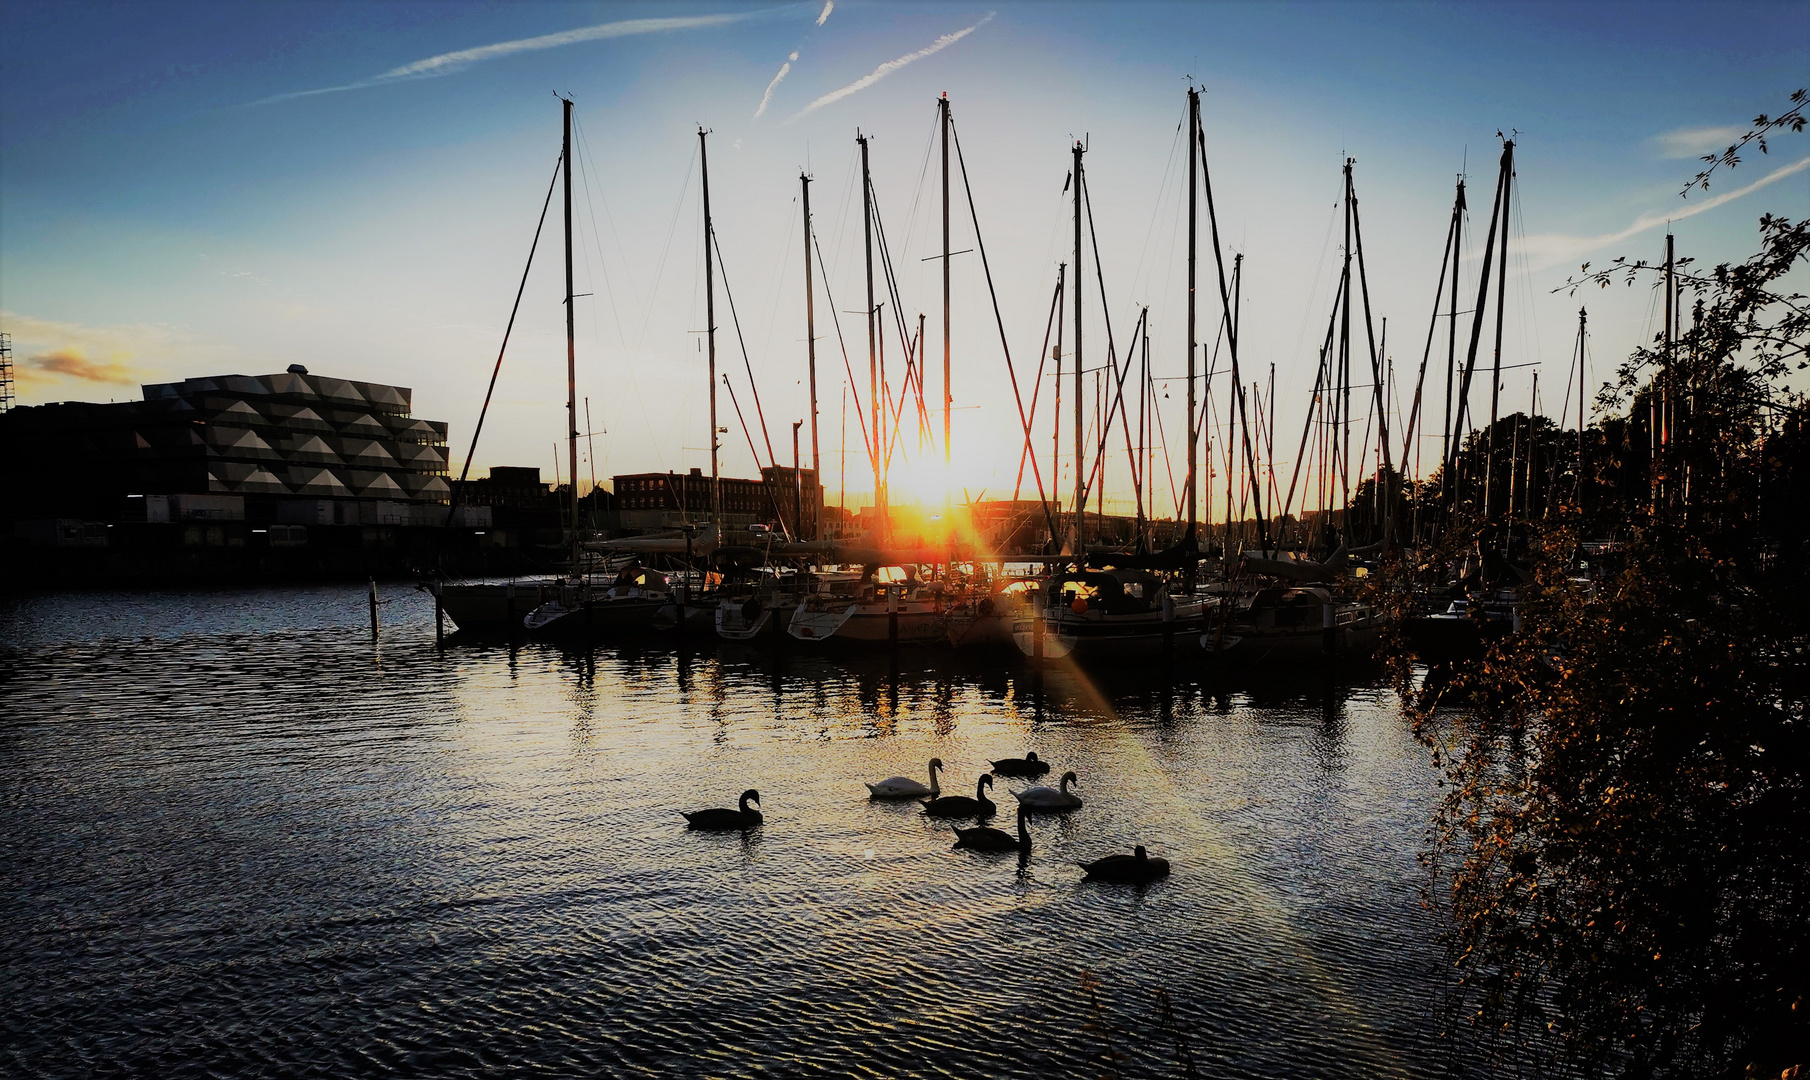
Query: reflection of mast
[(571, 350), (716, 485)]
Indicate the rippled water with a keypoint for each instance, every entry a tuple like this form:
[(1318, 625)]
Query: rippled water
[(240, 838)]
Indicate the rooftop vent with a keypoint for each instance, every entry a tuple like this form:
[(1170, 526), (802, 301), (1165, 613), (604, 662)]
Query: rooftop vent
[(297, 369)]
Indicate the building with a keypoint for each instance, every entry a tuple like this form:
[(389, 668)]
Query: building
[(667, 500), (255, 441)]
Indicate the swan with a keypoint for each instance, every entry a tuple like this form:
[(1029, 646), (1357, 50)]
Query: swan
[(990, 839), (740, 818), (1048, 798), (1136, 868), (904, 787), (961, 806), (1027, 765)]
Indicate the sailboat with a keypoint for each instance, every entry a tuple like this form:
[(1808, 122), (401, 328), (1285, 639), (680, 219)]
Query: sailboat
[(631, 600)]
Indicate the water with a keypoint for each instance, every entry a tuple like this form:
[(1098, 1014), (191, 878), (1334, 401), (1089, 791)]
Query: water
[(241, 839)]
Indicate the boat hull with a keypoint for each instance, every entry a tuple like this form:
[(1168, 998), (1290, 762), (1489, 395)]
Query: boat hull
[(594, 618), (479, 608), (857, 624)]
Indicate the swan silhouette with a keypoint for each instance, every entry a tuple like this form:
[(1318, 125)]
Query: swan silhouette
[(1136, 868), (986, 838), (961, 806), (740, 818), (1027, 765), (904, 787)]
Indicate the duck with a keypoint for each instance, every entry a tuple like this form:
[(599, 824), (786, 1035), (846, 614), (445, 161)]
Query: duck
[(1048, 798), (1136, 868), (740, 818), (1027, 765), (985, 838), (961, 806), (904, 787)]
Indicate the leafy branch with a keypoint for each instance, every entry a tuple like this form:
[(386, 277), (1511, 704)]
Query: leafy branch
[(1762, 125)]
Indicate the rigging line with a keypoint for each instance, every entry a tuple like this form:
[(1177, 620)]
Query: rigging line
[(917, 198), (1225, 301), (585, 168), (743, 421), (1037, 385), (615, 233), (1104, 426), (1004, 347), (836, 319), (779, 276), (1445, 262), (723, 271), (1319, 381), (660, 269), (498, 369), (1156, 205)]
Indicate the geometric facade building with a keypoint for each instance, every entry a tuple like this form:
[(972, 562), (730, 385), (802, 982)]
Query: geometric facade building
[(268, 438)]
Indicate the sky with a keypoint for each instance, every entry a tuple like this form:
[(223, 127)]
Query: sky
[(196, 189)]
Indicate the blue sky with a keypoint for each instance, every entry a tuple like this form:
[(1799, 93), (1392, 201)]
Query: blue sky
[(161, 216)]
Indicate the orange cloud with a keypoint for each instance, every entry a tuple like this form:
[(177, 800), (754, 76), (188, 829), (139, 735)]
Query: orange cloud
[(72, 363)]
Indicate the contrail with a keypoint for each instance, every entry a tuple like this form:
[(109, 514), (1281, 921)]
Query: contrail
[(1553, 248), (447, 63), (768, 96), (822, 17), (891, 66)]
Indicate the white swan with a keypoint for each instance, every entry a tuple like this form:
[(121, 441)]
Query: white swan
[(904, 787), (1048, 798)]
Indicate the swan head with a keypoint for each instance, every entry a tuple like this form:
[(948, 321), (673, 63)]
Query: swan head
[(936, 763), (1070, 778), (986, 780), (1032, 756), (750, 796), (1141, 854)]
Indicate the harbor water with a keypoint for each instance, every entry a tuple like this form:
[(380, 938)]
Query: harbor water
[(243, 838)]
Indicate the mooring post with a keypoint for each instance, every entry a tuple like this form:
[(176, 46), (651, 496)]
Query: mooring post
[(1328, 629), (892, 616), (373, 609), (439, 627)]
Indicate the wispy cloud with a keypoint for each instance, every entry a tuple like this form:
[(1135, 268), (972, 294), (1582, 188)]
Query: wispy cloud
[(1551, 249), (72, 363), (448, 63), (68, 359), (891, 66), (768, 96), (1694, 142)]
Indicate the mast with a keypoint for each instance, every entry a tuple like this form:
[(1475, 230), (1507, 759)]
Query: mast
[(1451, 361), (948, 397), (1193, 345), (571, 348), (1080, 386), (873, 362), (716, 483), (1495, 386), (810, 344), (1056, 411)]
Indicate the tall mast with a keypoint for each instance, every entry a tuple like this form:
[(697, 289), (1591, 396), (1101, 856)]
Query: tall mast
[(810, 340), (873, 361), (1342, 434), (1495, 386), (948, 397), (1056, 411), (1193, 345), (716, 483), (1451, 360), (1080, 387), (571, 349)]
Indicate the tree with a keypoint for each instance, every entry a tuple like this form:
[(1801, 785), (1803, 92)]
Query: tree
[(1624, 846)]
